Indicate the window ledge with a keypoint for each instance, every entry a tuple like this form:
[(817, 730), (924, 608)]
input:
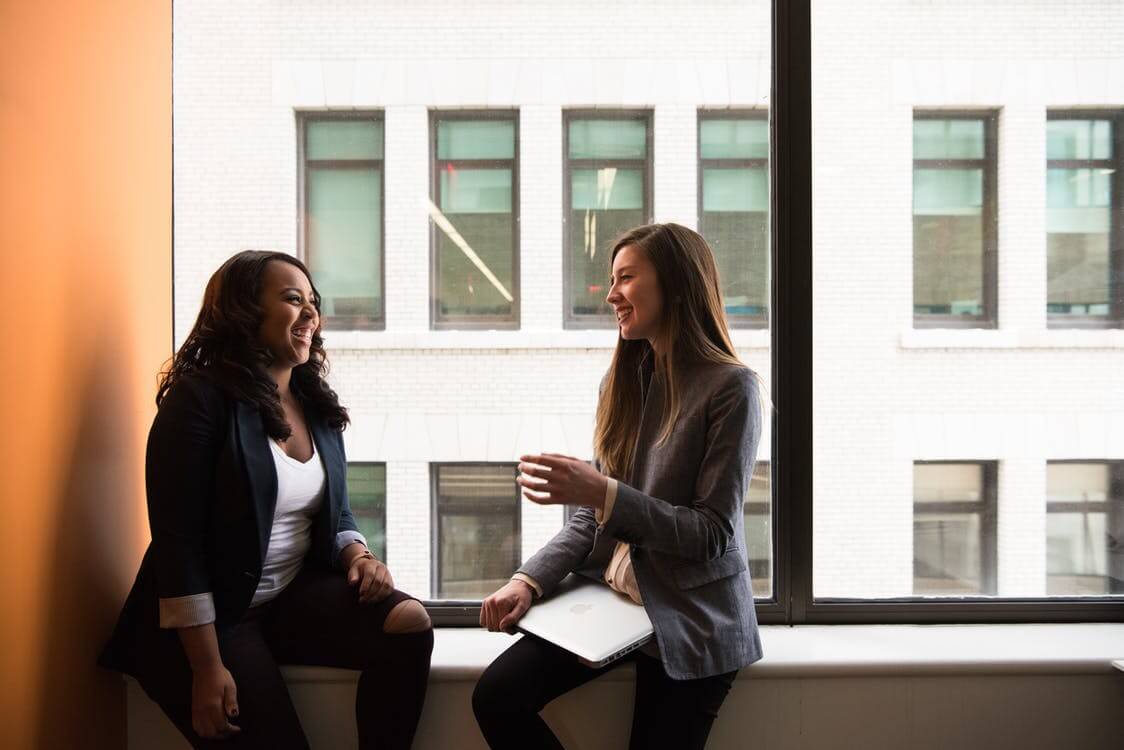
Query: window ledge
[(529, 338), (461, 654), (976, 338)]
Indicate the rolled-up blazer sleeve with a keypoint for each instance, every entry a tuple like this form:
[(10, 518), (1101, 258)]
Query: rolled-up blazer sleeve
[(562, 554), (180, 463), (703, 529)]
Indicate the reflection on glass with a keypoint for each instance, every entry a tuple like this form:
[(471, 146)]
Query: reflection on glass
[(608, 185), (759, 531), (949, 252), (733, 154), (366, 493), (344, 175), (1079, 177), (1084, 529), (478, 523), (953, 530), (475, 235)]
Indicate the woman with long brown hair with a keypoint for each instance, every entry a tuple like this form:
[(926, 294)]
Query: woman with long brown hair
[(255, 557), (659, 514)]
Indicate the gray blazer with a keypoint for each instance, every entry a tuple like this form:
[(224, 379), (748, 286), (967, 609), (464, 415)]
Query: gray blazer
[(680, 509)]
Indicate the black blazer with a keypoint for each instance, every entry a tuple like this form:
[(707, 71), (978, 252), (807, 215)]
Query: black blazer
[(212, 489)]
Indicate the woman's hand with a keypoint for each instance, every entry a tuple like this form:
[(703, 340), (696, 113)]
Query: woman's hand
[(214, 702), (503, 609), (373, 579), (554, 479)]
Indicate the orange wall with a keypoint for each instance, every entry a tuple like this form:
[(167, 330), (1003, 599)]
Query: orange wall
[(85, 282)]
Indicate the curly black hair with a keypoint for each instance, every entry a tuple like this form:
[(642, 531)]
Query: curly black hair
[(223, 347)]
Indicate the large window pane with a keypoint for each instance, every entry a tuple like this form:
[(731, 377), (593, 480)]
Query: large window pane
[(1080, 176), (478, 529), (343, 218), (366, 493), (607, 194), (474, 219), (734, 211), (953, 529), (1084, 529), (951, 215), (759, 531)]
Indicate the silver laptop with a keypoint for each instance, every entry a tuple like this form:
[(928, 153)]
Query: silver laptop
[(590, 620)]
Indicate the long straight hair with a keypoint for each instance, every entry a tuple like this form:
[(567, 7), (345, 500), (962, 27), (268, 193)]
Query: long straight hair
[(693, 330)]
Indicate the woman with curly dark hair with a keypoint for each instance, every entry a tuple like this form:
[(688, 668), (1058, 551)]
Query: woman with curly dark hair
[(255, 557)]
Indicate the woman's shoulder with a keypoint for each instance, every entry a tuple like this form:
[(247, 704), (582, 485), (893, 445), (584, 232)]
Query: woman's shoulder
[(722, 377), (194, 392)]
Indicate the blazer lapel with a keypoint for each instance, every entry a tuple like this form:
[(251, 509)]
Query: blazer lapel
[(261, 473)]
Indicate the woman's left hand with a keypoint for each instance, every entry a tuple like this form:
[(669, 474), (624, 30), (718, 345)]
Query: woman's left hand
[(373, 579), (554, 479)]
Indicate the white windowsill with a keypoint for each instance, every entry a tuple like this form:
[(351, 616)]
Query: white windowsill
[(982, 338), (461, 654), (522, 339)]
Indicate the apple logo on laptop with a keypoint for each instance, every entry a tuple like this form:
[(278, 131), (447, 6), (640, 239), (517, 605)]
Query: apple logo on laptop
[(581, 609)]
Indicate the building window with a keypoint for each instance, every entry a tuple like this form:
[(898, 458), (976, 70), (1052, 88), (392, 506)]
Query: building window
[(342, 232), (734, 209), (1084, 528), (366, 493), (476, 529), (954, 529), (1084, 182), (759, 530), (608, 170), (954, 232), (475, 217)]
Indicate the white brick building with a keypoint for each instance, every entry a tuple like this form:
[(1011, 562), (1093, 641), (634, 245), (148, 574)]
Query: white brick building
[(887, 394)]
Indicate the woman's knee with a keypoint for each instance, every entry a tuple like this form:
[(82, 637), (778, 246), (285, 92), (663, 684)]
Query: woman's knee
[(408, 616)]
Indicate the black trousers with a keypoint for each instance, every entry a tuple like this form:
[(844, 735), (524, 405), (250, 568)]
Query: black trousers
[(317, 620), (522, 680)]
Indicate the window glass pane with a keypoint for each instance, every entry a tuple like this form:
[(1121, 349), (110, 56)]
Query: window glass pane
[(478, 531), (951, 526), (735, 190), (1078, 231), (734, 139), (759, 531), (948, 241), (343, 139), (944, 483), (366, 493), (735, 221), (474, 139), (948, 139), (608, 139), (345, 240), (1079, 139), (605, 203), (475, 229), (1084, 525)]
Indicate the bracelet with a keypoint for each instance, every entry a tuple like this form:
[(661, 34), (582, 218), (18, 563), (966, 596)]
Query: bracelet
[(364, 555)]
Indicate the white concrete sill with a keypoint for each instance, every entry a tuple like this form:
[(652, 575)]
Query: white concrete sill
[(980, 338), (461, 654), (529, 338)]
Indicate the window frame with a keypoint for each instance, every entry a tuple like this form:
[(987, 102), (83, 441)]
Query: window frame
[(571, 321), (437, 322), (989, 165), (304, 117), (457, 609), (1115, 318), (704, 114)]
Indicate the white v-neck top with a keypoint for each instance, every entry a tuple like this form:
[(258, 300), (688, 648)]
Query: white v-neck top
[(300, 491)]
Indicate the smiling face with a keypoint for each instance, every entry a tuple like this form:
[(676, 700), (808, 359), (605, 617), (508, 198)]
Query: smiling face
[(635, 295), (289, 317)]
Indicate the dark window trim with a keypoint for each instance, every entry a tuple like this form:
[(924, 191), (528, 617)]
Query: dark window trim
[(438, 322), (1115, 318), (645, 115), (734, 321), (342, 322), (990, 166), (988, 510), (454, 611)]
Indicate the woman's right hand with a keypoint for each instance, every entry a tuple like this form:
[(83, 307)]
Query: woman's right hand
[(214, 701), (503, 609)]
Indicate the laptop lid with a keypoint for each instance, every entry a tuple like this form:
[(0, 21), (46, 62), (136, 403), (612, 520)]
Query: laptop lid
[(590, 620)]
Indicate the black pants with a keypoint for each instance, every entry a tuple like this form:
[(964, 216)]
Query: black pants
[(317, 620), (522, 680)]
